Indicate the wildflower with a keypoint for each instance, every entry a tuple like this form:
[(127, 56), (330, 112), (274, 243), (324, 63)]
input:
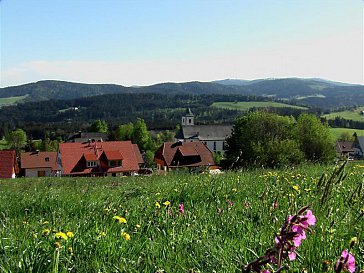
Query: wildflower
[(181, 208), (25, 222), (231, 203), (54, 230), (310, 219), (353, 241), (70, 234), (275, 205), (126, 236), (45, 223), (234, 189), (57, 244), (307, 190), (106, 210), (246, 204), (46, 232), (169, 212), (35, 235), (61, 235), (219, 211), (102, 234), (70, 250), (137, 225), (346, 262), (119, 219), (157, 205), (167, 203), (296, 188)]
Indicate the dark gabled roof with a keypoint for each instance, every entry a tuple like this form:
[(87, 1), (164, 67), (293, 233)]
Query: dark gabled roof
[(205, 132), (7, 164), (345, 146), (361, 142), (33, 160), (85, 137), (189, 151)]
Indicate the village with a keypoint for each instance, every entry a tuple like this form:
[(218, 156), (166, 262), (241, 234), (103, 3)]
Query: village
[(91, 154)]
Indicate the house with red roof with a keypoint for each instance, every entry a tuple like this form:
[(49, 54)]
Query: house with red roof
[(39, 164), (8, 164), (191, 155), (97, 158)]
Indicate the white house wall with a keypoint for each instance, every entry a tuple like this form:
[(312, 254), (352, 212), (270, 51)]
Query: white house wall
[(34, 172)]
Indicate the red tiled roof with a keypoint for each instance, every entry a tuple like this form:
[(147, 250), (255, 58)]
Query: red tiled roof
[(90, 156), (73, 160), (169, 150), (138, 154), (33, 160), (113, 155), (7, 163)]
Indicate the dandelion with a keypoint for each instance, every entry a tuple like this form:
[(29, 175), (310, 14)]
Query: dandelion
[(126, 236), (167, 203), (157, 205), (119, 219), (70, 234), (61, 235), (345, 263), (234, 189), (57, 245), (46, 232), (70, 250)]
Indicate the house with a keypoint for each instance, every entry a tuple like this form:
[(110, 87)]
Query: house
[(358, 146), (39, 164), (213, 136), (97, 158), (8, 164), (345, 149), (172, 155), (84, 137)]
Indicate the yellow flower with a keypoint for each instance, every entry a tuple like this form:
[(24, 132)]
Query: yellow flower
[(157, 205), (54, 230), (25, 222), (106, 210), (137, 225), (70, 234), (35, 236), (46, 232), (57, 244), (354, 241), (102, 234), (45, 223), (167, 203), (61, 235), (307, 190), (234, 189), (70, 250), (119, 219), (126, 236)]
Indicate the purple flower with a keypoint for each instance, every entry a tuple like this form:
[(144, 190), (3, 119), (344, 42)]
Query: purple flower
[(292, 256), (182, 208), (301, 235), (346, 262), (266, 271), (310, 219)]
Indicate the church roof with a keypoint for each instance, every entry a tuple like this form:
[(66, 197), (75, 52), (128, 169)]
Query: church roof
[(205, 132)]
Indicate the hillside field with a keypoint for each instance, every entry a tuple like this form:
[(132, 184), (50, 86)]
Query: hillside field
[(336, 132), (11, 100), (177, 222), (246, 105), (353, 115)]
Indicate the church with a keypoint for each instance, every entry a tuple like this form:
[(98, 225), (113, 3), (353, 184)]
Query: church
[(213, 136)]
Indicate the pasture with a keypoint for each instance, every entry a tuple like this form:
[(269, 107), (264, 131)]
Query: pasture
[(336, 132), (350, 114), (11, 100), (179, 222), (246, 105)]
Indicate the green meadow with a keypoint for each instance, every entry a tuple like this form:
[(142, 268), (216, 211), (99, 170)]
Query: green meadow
[(352, 114), (11, 100), (246, 105), (136, 224), (336, 132)]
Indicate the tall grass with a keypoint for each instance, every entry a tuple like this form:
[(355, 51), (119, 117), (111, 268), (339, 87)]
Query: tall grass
[(228, 221)]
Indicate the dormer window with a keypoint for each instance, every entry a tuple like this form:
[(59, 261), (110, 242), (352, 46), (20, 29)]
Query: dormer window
[(91, 164), (114, 163)]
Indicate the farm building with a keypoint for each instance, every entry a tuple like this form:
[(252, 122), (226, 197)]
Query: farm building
[(190, 155), (97, 158), (39, 164), (8, 164)]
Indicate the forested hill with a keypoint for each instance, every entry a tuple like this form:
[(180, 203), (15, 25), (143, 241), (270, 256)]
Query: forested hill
[(308, 92)]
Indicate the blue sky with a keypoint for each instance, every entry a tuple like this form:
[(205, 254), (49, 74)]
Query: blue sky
[(144, 42)]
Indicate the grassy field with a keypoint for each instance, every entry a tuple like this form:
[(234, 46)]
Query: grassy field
[(336, 132), (11, 100), (246, 105), (353, 115), (137, 224)]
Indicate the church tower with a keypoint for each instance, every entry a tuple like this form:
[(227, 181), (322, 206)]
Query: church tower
[(188, 119)]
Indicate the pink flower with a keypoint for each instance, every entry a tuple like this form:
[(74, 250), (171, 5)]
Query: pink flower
[(347, 261), (310, 219), (301, 235), (266, 271), (292, 256), (182, 208)]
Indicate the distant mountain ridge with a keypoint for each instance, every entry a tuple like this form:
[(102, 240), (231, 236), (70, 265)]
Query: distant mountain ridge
[(307, 91)]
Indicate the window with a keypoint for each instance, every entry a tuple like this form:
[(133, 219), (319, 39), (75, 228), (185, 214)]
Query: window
[(91, 164), (47, 159), (214, 145), (114, 163), (189, 121)]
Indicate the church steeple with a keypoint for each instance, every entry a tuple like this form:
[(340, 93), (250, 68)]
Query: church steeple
[(188, 118)]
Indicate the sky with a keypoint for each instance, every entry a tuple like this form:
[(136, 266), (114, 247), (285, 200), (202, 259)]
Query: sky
[(135, 42)]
